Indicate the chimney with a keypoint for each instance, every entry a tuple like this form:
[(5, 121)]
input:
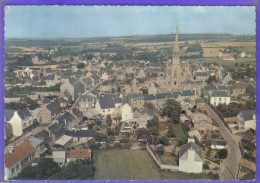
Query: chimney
[(11, 149)]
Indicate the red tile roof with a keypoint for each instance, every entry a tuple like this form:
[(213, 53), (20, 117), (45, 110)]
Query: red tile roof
[(19, 153), (82, 153)]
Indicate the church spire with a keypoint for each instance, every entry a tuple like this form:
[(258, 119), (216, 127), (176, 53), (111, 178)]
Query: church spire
[(176, 51)]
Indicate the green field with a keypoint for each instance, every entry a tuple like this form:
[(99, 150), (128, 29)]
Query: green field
[(134, 165)]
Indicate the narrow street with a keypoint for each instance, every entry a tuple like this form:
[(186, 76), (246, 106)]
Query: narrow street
[(24, 137), (229, 169)]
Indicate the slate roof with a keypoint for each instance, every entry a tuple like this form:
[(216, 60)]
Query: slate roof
[(248, 115), (77, 112), (209, 88), (155, 84), (149, 97), (24, 113), (107, 103), (50, 77), (80, 133), (187, 93), (202, 74), (9, 114), (150, 110), (48, 70), (222, 88), (56, 128), (54, 107), (200, 100), (191, 145), (218, 142), (67, 117), (35, 141), (219, 94), (44, 135), (88, 98), (118, 100), (139, 95)]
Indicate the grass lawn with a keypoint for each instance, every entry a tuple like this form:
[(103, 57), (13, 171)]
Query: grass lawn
[(134, 165)]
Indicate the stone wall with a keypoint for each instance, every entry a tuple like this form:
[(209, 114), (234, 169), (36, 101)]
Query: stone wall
[(159, 163)]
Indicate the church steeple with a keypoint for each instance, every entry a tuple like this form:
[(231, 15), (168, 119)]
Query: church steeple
[(176, 51)]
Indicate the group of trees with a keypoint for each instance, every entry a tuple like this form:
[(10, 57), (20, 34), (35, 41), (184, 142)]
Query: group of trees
[(233, 109), (26, 102), (47, 169)]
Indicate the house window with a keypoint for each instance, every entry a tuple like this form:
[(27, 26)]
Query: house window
[(219, 99), (174, 82), (103, 110), (12, 170), (17, 167), (108, 110)]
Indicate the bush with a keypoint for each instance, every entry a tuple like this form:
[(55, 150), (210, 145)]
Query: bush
[(222, 153)]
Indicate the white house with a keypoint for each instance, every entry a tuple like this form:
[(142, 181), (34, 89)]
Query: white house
[(19, 120), (190, 157), (246, 120), (18, 158), (106, 107), (127, 112), (219, 97), (104, 76), (218, 144)]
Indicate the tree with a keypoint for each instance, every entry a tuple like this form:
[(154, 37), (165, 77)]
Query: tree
[(211, 80), (222, 153), (142, 133), (154, 122), (169, 107), (46, 168), (109, 120), (81, 66), (170, 132), (154, 131), (100, 137), (164, 140), (92, 144)]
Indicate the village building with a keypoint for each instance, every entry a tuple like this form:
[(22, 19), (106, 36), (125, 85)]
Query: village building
[(20, 120), (81, 154), (127, 112), (73, 87), (51, 80), (17, 159), (219, 97), (246, 120), (190, 157)]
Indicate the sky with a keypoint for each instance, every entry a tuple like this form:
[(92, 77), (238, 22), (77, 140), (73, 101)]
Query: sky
[(102, 21)]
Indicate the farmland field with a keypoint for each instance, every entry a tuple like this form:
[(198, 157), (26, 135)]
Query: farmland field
[(134, 165)]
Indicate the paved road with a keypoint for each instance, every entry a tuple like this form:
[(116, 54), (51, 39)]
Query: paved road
[(24, 137), (230, 167)]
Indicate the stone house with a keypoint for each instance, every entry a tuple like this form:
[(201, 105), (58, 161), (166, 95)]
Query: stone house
[(55, 131), (73, 87), (106, 107), (246, 120), (51, 80)]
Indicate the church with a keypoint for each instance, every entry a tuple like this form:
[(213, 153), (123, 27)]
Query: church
[(177, 72)]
